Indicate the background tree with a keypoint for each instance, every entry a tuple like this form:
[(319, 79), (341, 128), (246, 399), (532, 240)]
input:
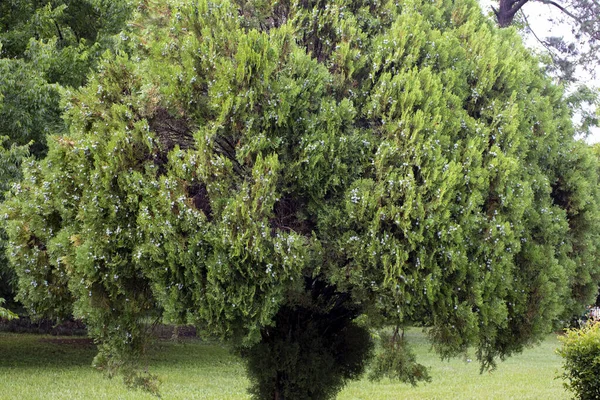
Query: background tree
[(584, 18), (571, 49), (29, 106), (45, 45), (291, 174), (27, 27)]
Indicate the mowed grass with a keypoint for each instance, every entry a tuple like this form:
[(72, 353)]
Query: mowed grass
[(39, 367), (529, 375)]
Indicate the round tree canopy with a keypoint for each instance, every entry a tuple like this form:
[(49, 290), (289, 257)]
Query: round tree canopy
[(399, 162)]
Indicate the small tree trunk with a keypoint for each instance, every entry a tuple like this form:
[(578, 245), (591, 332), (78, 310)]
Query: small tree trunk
[(278, 395)]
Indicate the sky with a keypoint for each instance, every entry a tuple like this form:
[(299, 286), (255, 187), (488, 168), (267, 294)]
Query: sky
[(538, 16)]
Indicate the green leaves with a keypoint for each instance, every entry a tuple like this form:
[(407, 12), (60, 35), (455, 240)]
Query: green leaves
[(237, 165), (580, 350), (29, 107), (43, 49), (6, 314), (397, 361), (10, 173)]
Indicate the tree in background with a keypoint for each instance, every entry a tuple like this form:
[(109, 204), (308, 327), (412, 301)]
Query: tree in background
[(29, 105), (578, 51), (584, 18), (290, 175), (46, 45)]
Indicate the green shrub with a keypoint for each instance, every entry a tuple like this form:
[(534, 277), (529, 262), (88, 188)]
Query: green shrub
[(581, 351)]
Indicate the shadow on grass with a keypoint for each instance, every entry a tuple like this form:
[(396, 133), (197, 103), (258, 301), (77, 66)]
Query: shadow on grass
[(195, 352), (36, 351), (43, 351)]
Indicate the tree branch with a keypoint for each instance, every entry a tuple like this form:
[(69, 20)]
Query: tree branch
[(553, 54), (562, 9), (495, 11), (581, 22), (507, 10), (516, 6), (60, 35), (543, 43)]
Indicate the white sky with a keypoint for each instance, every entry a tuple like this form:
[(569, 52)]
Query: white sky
[(539, 15)]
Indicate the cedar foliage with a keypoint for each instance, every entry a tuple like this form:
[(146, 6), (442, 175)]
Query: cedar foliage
[(11, 158), (252, 166), (45, 47)]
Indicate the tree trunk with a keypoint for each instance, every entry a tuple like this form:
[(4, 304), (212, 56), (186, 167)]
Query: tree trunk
[(503, 15), (278, 394), (506, 11)]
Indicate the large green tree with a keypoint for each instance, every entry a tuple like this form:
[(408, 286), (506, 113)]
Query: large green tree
[(290, 174)]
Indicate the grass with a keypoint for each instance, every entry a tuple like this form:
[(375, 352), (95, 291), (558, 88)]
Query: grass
[(37, 367), (530, 375)]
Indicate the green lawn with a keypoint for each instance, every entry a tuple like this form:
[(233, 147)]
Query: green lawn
[(31, 367)]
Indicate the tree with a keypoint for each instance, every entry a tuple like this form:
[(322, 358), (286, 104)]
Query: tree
[(584, 17), (291, 174), (46, 45), (571, 57), (29, 106)]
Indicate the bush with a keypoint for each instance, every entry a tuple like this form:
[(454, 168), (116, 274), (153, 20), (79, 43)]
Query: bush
[(272, 171), (581, 351)]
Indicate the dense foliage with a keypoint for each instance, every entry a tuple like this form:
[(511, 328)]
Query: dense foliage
[(46, 46), (10, 172), (29, 105), (289, 174), (581, 352)]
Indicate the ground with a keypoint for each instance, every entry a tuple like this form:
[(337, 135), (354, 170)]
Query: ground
[(45, 367)]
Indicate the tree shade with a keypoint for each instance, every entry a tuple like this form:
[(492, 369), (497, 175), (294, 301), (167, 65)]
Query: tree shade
[(290, 174)]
